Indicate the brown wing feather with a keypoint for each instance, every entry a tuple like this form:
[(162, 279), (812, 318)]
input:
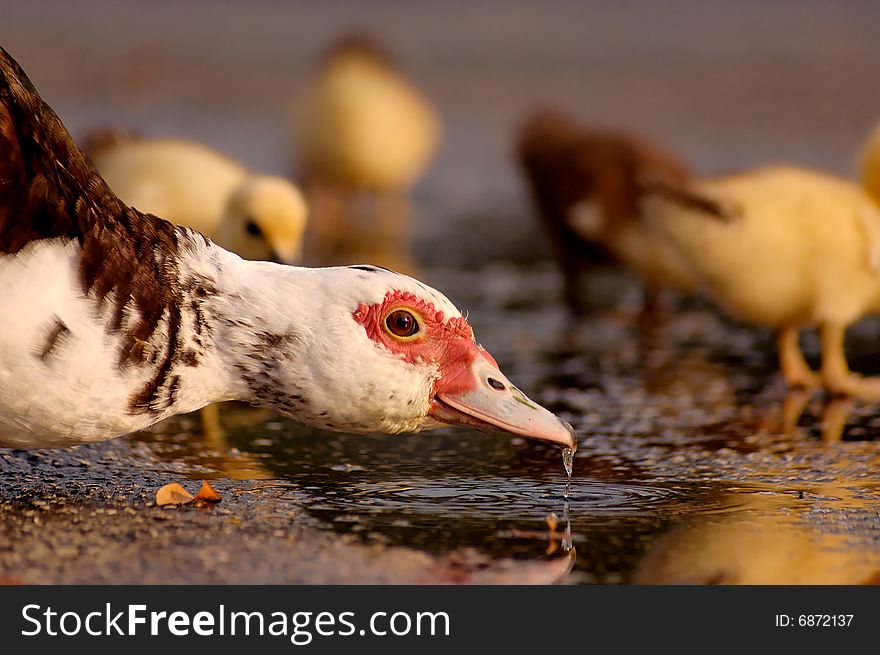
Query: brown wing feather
[(49, 189)]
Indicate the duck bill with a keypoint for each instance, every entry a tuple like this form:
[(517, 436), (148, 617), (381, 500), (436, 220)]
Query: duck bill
[(483, 398)]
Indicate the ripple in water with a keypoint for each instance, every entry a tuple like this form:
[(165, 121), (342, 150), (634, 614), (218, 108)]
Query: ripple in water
[(508, 498)]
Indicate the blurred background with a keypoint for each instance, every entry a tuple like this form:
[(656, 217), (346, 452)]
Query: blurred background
[(726, 85)]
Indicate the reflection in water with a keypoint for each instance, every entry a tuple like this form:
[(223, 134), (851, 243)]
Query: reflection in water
[(766, 542), (464, 567), (205, 440), (443, 493), (835, 413)]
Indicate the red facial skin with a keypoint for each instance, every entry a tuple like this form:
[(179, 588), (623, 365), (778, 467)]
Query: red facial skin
[(448, 343)]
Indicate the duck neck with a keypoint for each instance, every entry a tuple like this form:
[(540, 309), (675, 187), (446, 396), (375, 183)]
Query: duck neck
[(254, 327)]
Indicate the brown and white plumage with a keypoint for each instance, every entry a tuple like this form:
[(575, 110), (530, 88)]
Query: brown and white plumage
[(111, 319)]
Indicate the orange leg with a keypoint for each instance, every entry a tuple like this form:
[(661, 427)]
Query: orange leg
[(795, 370), (835, 371)]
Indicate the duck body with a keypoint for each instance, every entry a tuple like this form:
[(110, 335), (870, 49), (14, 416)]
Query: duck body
[(112, 319), (256, 216), (798, 248), (71, 375), (586, 185)]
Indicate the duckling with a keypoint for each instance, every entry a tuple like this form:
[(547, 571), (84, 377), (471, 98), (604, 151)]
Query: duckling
[(796, 248), (585, 186), (365, 133), (259, 217), (869, 164)]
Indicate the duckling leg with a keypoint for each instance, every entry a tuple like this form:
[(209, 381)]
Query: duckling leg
[(327, 206), (212, 430), (795, 370), (653, 307), (571, 286), (835, 371)]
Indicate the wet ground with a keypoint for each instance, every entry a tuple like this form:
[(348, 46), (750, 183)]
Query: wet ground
[(694, 463)]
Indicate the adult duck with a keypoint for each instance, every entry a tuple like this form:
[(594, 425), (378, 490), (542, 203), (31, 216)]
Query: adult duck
[(111, 320)]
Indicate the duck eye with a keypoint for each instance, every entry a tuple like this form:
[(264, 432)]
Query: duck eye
[(401, 323), (252, 228)]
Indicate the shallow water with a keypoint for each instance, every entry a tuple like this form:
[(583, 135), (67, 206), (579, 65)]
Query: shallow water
[(693, 463)]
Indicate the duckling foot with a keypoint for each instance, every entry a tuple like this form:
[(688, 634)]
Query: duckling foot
[(854, 385), (802, 378)]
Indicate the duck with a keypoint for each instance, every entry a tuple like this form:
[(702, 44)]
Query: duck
[(255, 215), (112, 319), (585, 186), (791, 248), (363, 135)]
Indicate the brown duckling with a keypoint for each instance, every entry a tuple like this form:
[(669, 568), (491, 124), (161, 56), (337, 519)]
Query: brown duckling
[(586, 183)]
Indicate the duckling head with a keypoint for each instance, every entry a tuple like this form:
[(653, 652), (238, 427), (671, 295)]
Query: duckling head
[(357, 47), (264, 220), (869, 164)]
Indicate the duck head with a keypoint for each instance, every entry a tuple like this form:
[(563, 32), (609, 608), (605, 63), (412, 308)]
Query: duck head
[(375, 351)]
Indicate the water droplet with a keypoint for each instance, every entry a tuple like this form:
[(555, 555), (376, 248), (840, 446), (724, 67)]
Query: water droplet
[(568, 463)]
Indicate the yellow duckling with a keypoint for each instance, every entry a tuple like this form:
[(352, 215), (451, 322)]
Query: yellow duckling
[(363, 129), (797, 248), (256, 216)]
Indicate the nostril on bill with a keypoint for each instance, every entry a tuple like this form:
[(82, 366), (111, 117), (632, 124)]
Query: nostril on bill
[(495, 384)]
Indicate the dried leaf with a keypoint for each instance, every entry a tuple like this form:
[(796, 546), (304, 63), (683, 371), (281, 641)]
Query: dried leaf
[(173, 494), (207, 493)]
